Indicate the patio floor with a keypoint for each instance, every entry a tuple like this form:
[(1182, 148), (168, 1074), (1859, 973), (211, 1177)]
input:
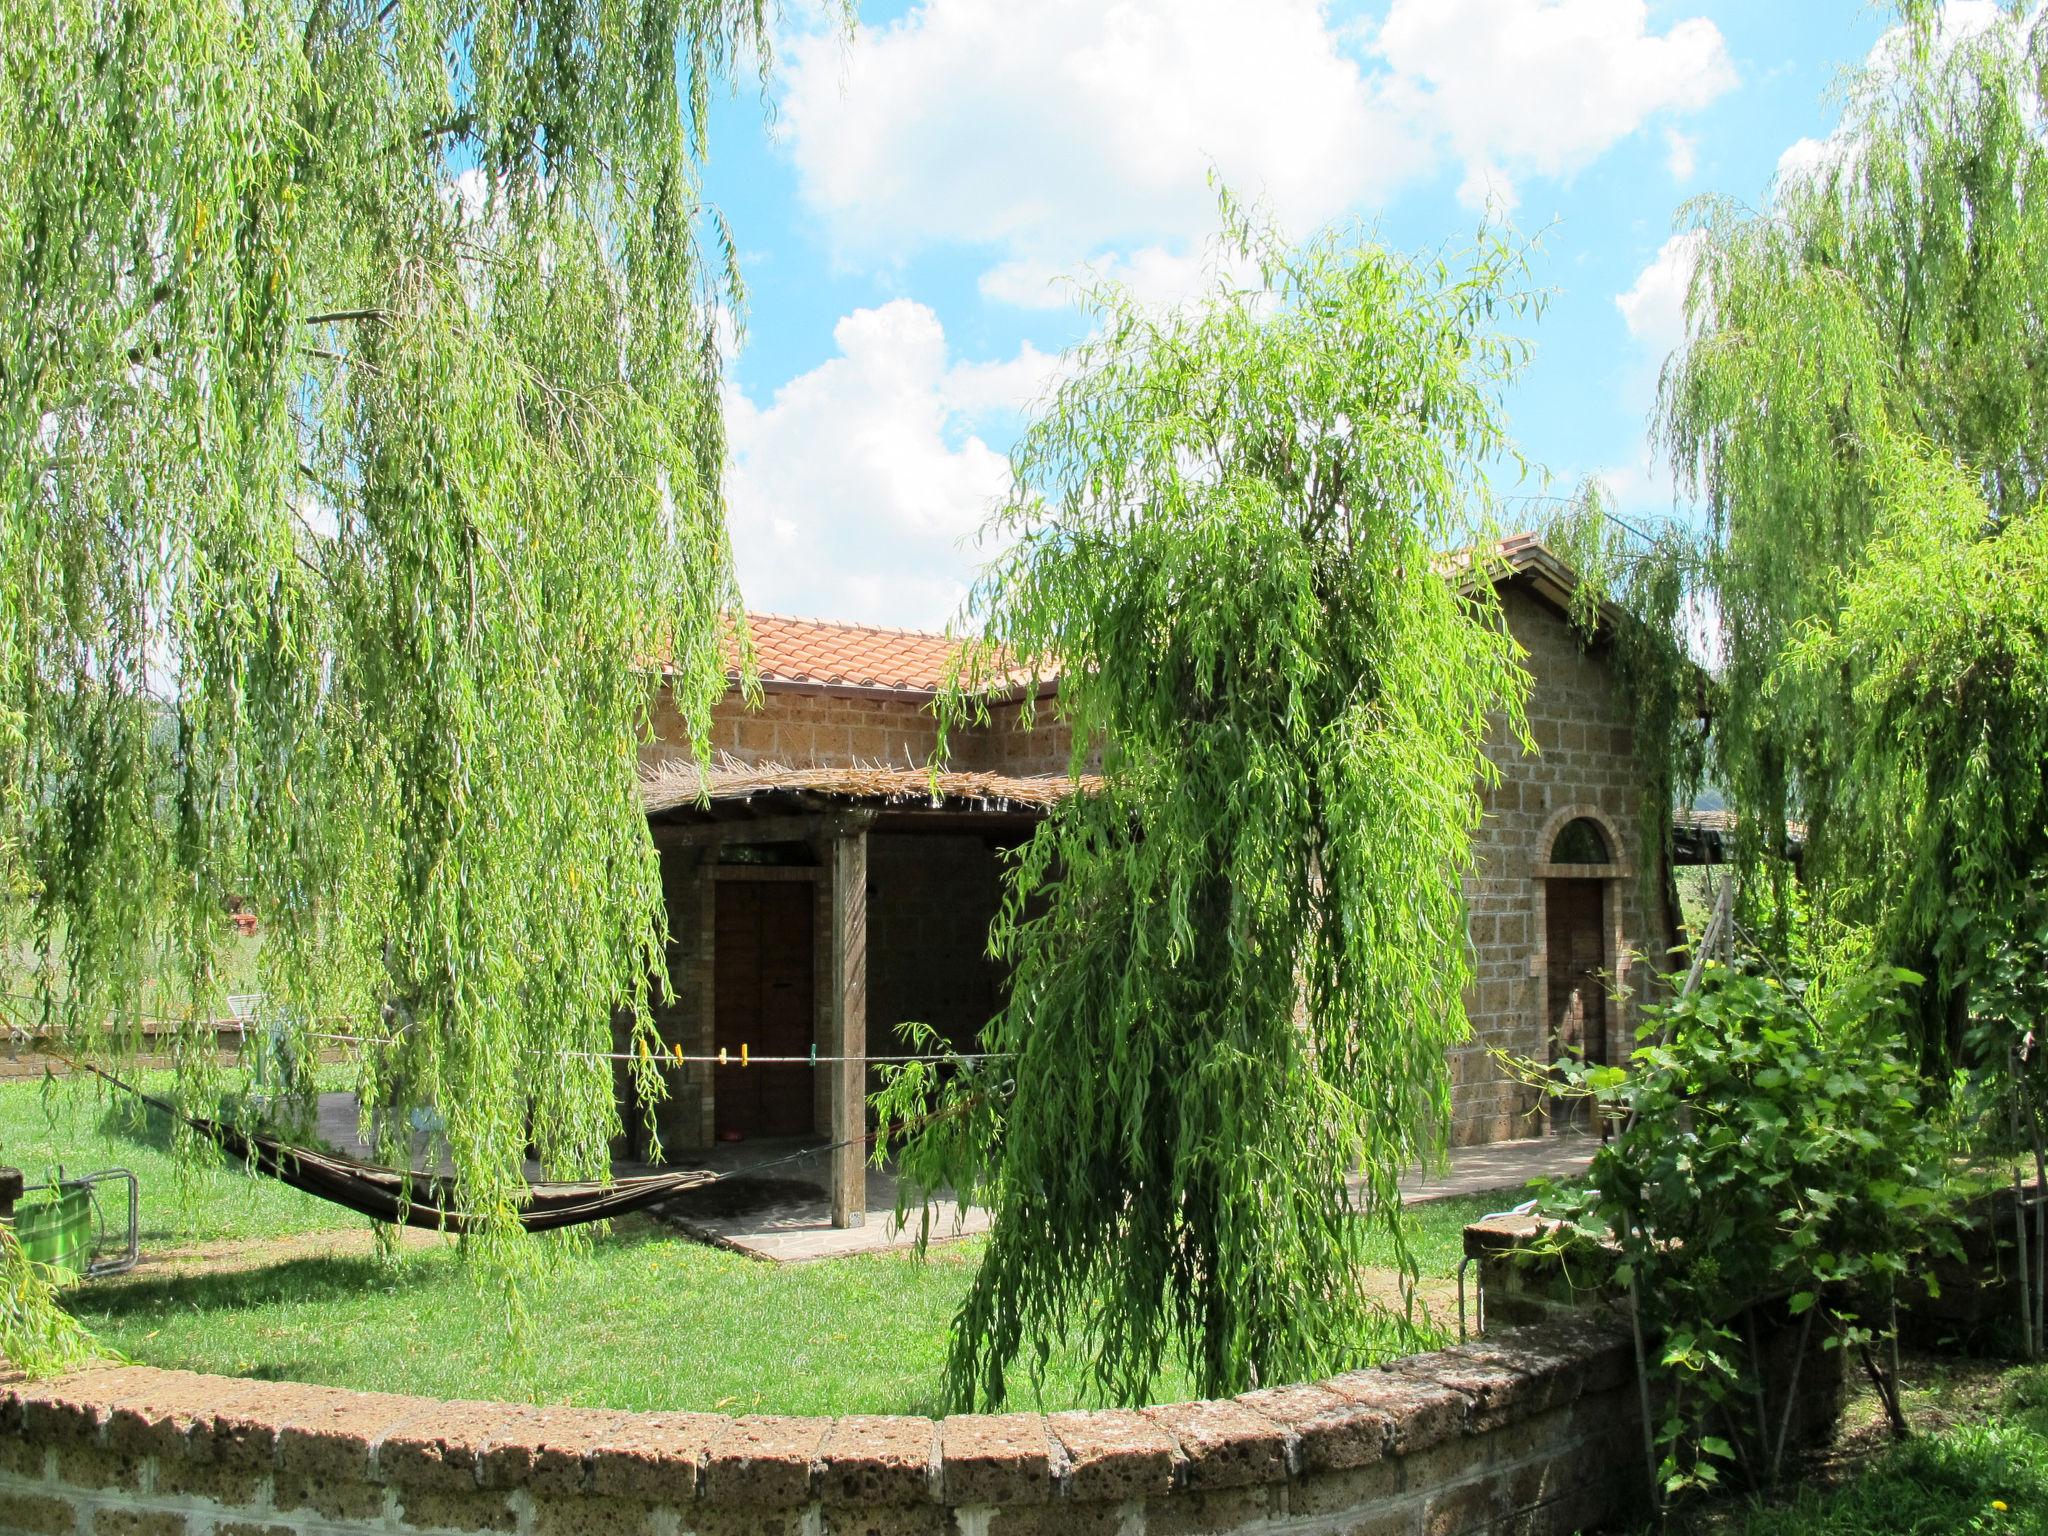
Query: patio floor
[(795, 1222)]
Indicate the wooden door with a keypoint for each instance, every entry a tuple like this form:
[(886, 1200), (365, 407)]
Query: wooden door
[(1577, 948), (762, 968)]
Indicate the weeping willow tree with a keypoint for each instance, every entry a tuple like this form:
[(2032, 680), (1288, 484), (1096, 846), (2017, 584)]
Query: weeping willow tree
[(359, 445), (1236, 967), (1861, 406)]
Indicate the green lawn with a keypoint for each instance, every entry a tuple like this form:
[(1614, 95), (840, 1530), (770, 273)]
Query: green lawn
[(83, 1126), (636, 1318)]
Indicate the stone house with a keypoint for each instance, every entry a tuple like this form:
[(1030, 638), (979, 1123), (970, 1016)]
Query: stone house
[(820, 894)]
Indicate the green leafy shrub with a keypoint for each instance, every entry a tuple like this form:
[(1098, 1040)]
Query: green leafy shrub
[(1776, 1157)]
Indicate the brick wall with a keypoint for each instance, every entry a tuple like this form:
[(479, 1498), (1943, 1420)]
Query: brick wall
[(815, 730), (1005, 746), (805, 730), (1584, 766), (1533, 1431)]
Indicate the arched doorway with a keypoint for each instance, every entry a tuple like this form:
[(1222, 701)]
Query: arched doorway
[(1578, 967)]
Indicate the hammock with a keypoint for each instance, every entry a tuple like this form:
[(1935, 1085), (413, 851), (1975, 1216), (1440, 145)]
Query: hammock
[(420, 1199)]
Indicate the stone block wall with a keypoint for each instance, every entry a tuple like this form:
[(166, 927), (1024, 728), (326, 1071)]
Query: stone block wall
[(1975, 1298), (799, 729), (1004, 745), (1803, 1378), (1584, 765), (1532, 1432)]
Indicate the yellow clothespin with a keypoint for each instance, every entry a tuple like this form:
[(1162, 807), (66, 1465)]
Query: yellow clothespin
[(676, 1051), (643, 1050), (743, 1053)]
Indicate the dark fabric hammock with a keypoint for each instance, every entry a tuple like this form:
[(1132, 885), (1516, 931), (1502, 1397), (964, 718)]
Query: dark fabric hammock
[(421, 1199)]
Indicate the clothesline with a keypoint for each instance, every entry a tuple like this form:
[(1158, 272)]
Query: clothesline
[(673, 1055), (742, 1057)]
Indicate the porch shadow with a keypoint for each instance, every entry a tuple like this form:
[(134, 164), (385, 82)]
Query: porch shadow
[(790, 1221)]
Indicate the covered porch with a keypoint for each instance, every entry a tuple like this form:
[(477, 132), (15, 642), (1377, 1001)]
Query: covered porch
[(812, 911)]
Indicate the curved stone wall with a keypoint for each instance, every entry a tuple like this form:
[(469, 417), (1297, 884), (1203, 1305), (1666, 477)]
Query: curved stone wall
[(1531, 1432)]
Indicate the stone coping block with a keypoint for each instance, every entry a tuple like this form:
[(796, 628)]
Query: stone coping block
[(1002, 1458), (283, 1457), (1115, 1454), (879, 1459), (1499, 1234), (1224, 1444)]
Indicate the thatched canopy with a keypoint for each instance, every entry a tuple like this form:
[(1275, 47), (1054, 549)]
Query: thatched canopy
[(682, 786)]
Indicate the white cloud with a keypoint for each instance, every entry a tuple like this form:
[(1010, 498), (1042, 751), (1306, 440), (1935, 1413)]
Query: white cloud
[(1064, 126), (1488, 188), (1803, 157), (1654, 306), (1152, 274), (1027, 283), (1681, 154), (1643, 485), (1000, 388), (856, 490), (1653, 309), (1544, 87), (1065, 130)]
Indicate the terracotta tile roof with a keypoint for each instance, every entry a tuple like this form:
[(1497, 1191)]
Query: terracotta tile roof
[(811, 651), (820, 654), (681, 785)]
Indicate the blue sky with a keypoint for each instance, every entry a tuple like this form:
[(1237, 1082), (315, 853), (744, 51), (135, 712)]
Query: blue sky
[(901, 219)]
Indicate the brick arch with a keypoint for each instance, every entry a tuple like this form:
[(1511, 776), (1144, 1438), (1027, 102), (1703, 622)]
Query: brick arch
[(1614, 935), (1619, 864)]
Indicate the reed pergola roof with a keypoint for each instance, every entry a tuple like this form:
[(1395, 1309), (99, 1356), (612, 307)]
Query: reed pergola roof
[(685, 786)]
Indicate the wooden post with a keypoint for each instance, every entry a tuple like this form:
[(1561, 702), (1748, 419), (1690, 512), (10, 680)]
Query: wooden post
[(849, 980)]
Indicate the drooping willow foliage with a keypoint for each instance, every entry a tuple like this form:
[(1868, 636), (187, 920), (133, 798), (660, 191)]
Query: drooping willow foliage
[(359, 446), (1861, 405), (1637, 592), (1238, 966)]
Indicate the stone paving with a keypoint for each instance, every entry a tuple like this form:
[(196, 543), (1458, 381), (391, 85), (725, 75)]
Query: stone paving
[(1499, 1165), (795, 1225)]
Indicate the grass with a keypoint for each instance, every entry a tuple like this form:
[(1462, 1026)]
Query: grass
[(634, 1318), (1989, 1477), (83, 1126), (1977, 1462)]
